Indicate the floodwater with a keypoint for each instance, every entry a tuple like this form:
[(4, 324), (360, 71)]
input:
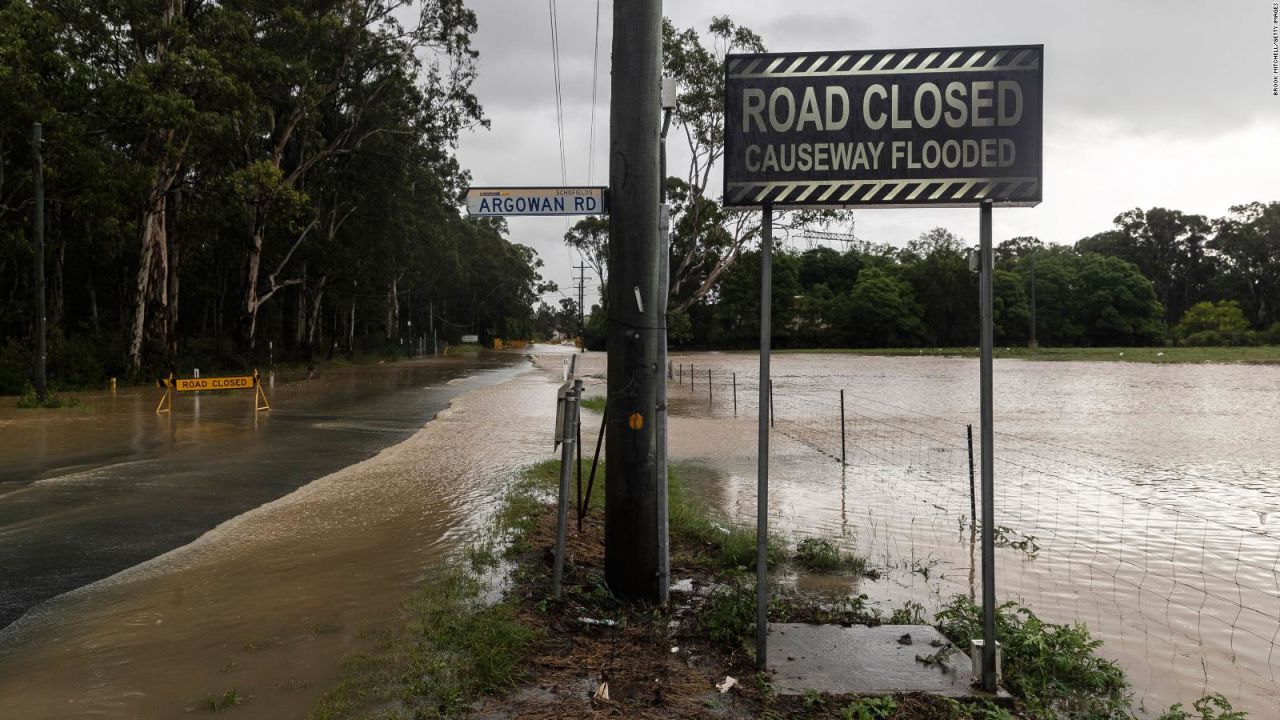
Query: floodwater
[(1139, 499), (1142, 500), (90, 491), (269, 601)]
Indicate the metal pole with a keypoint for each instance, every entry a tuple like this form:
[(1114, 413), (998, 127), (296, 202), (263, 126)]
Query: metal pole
[(1034, 344), (771, 402), (988, 487), (636, 315), (973, 502), (762, 452), (37, 171), (735, 393), (664, 281), (843, 457), (571, 419), (709, 399)]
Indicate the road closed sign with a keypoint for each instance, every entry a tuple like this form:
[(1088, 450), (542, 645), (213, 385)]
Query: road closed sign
[(493, 201), (213, 383), (943, 127)]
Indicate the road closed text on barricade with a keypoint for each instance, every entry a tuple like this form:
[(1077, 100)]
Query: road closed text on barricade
[(217, 383), (932, 127)]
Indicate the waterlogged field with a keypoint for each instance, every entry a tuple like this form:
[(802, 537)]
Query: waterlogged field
[(1140, 499)]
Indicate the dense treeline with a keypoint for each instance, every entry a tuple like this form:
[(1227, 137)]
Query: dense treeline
[(1159, 277), (227, 179)]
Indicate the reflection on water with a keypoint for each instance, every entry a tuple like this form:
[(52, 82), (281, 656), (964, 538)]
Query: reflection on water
[(269, 602)]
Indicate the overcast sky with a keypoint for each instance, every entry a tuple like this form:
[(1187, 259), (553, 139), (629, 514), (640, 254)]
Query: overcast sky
[(1157, 103)]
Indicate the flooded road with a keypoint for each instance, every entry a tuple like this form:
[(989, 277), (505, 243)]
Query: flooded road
[(89, 491), (270, 602)]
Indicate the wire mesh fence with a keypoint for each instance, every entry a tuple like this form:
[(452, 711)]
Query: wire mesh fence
[(1168, 566)]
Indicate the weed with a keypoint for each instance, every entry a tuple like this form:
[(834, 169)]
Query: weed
[(738, 549), (30, 400), (869, 708), (217, 703), (1209, 707), (323, 628), (729, 616), (595, 403), (813, 699), (1052, 668), (911, 613), (822, 555)]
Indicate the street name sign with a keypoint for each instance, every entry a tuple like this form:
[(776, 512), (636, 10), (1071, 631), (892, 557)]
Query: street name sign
[(940, 127), (495, 201)]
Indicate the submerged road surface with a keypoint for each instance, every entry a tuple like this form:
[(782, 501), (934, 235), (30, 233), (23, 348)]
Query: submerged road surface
[(90, 491)]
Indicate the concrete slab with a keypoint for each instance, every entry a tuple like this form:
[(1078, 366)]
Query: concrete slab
[(862, 660)]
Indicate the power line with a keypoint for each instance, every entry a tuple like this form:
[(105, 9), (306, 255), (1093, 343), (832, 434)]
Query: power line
[(595, 69), (555, 66)]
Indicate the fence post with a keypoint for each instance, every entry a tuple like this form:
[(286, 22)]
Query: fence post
[(670, 376), (973, 502), (771, 413), (681, 381), (709, 400), (735, 393), (693, 379), (566, 472), (843, 457)]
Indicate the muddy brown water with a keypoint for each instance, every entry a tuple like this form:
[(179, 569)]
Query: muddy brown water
[(1150, 489), (1142, 500)]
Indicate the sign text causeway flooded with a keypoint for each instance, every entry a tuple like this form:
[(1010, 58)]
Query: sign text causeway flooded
[(941, 127)]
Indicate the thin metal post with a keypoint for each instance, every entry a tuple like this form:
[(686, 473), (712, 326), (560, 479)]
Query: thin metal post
[(37, 169), (595, 462), (973, 501), (735, 394), (681, 380), (709, 398), (762, 452), (771, 415), (693, 379), (843, 457), (566, 472), (988, 465)]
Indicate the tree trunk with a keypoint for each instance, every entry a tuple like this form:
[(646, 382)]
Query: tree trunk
[(153, 268), (249, 319), (171, 307), (393, 311)]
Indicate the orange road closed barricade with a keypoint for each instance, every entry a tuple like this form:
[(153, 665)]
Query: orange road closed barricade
[(235, 382)]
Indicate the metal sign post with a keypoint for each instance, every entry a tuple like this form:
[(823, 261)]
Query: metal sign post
[(762, 453), (988, 484)]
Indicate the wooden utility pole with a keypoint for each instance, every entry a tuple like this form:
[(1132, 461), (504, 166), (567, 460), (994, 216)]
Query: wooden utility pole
[(37, 171), (637, 311)]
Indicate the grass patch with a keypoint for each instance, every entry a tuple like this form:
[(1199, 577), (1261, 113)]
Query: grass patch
[(738, 549), (821, 555), (217, 703), (29, 400), (1254, 354), (595, 403)]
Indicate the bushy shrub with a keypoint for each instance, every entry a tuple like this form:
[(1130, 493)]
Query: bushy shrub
[(1220, 323)]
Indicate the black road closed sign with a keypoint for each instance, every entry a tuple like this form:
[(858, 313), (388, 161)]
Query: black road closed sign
[(932, 127)]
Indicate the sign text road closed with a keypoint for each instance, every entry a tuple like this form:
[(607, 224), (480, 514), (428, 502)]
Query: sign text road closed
[(217, 383), (486, 202), (933, 127)]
